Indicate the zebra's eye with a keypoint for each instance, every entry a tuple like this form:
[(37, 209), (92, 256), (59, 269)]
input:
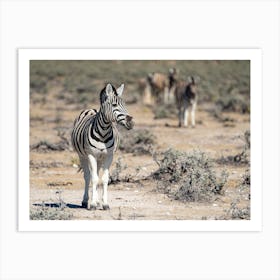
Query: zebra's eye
[(114, 104)]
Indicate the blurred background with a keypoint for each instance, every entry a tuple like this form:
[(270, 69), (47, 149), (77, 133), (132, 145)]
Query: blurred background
[(223, 83)]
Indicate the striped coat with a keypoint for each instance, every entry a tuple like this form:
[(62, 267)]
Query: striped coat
[(95, 138)]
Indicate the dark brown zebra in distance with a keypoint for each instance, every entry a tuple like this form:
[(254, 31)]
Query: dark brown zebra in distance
[(186, 97)]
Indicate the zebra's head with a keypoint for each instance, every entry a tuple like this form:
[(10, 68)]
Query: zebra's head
[(192, 84), (113, 106), (172, 77)]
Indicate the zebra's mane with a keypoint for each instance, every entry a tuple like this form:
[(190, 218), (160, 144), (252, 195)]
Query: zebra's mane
[(116, 136)]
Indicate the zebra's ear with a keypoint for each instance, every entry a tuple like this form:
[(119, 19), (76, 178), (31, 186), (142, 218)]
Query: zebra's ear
[(120, 90), (109, 89), (171, 70), (191, 80)]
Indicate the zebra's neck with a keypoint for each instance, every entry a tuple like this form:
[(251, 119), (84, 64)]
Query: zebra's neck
[(102, 121), (104, 133)]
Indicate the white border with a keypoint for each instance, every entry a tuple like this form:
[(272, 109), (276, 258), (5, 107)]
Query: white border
[(254, 55)]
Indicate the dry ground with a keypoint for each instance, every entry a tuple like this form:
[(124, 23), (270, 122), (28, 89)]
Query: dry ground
[(54, 177)]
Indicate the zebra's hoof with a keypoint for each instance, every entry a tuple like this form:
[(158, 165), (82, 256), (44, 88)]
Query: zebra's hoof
[(106, 207), (93, 207), (84, 204)]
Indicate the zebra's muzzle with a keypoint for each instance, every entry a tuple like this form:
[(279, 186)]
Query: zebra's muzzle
[(129, 123)]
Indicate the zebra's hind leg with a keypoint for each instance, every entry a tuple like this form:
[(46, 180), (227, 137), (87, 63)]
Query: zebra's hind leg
[(85, 166), (94, 180), (105, 179)]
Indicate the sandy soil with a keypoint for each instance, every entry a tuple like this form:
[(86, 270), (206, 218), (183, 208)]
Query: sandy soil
[(54, 175)]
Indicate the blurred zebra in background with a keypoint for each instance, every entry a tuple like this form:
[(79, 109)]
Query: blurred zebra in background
[(186, 100), (95, 138), (159, 87)]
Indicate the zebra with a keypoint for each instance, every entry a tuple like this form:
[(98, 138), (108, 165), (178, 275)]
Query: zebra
[(158, 87), (172, 81), (95, 138), (186, 98)]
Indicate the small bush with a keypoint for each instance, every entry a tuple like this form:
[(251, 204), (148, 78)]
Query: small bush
[(136, 141), (164, 111), (115, 176), (188, 176), (234, 103), (238, 213), (237, 210), (49, 213), (246, 179), (241, 158)]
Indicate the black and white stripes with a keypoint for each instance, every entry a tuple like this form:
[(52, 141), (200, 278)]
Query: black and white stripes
[(95, 138), (186, 100)]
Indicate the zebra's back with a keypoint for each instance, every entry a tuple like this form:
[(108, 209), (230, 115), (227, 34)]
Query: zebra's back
[(78, 135)]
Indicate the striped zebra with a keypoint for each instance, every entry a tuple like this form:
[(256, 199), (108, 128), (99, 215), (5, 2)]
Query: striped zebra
[(95, 138), (186, 100)]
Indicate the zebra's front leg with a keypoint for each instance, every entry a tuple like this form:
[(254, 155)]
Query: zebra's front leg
[(94, 180), (186, 117), (105, 180), (193, 115)]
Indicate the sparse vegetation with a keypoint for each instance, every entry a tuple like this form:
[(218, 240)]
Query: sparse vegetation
[(45, 146), (188, 176), (241, 158), (234, 103), (164, 111), (41, 164), (137, 141), (44, 212), (236, 212), (60, 88), (115, 176), (227, 83)]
